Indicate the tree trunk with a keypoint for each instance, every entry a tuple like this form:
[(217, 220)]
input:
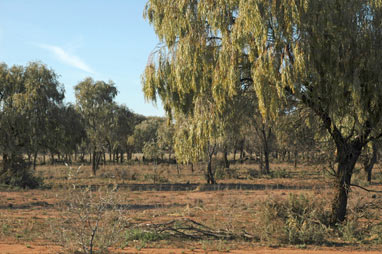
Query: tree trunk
[(266, 160), (295, 157), (96, 160), (261, 162), (265, 140), (347, 155), (226, 161), (34, 160), (94, 168), (210, 173), (369, 161), (51, 159)]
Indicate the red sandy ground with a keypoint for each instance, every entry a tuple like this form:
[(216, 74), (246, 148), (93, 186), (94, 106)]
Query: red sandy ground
[(48, 249)]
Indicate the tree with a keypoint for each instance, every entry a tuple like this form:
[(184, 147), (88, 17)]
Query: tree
[(165, 134), (28, 96), (95, 102), (67, 131), (369, 158), (146, 132), (123, 127), (43, 97), (296, 131), (323, 54)]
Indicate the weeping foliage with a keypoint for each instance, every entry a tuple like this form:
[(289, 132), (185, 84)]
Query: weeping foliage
[(323, 55), (326, 54), (189, 72)]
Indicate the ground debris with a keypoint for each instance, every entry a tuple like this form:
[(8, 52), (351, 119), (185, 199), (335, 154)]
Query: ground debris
[(188, 228)]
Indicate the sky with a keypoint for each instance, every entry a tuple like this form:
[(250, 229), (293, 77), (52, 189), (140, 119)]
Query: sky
[(102, 39)]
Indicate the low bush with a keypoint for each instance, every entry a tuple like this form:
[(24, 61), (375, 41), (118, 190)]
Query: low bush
[(297, 220), (91, 221), (144, 236)]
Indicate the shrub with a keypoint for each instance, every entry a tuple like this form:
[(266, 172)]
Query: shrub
[(297, 220), (280, 173), (144, 236), (91, 220), (18, 173), (226, 173)]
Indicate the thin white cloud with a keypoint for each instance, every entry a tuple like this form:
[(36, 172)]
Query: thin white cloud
[(67, 58)]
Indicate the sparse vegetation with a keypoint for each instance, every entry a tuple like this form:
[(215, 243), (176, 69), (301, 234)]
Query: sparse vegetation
[(271, 136)]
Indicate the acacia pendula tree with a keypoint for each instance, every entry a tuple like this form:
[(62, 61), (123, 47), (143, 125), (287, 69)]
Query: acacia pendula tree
[(324, 54), (185, 73)]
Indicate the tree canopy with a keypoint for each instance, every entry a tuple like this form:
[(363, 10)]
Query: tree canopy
[(322, 54)]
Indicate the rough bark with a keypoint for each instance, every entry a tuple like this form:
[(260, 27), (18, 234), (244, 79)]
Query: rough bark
[(347, 155)]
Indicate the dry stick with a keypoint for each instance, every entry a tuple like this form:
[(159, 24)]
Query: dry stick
[(363, 188)]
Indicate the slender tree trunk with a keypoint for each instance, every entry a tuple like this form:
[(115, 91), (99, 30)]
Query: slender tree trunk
[(369, 162), (265, 140), (295, 157), (96, 160), (29, 157), (34, 160), (210, 174), (226, 161), (241, 151), (51, 159), (93, 160)]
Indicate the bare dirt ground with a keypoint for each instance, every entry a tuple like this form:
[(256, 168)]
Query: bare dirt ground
[(27, 217), (51, 249)]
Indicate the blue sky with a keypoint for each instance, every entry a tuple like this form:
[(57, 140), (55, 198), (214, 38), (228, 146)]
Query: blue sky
[(102, 39)]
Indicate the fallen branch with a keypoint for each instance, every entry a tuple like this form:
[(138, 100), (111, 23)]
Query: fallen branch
[(187, 228), (363, 188)]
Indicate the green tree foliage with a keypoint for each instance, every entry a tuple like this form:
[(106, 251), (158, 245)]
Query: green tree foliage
[(124, 122), (324, 54), (95, 103), (165, 134), (68, 132), (297, 131), (29, 96), (146, 132)]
